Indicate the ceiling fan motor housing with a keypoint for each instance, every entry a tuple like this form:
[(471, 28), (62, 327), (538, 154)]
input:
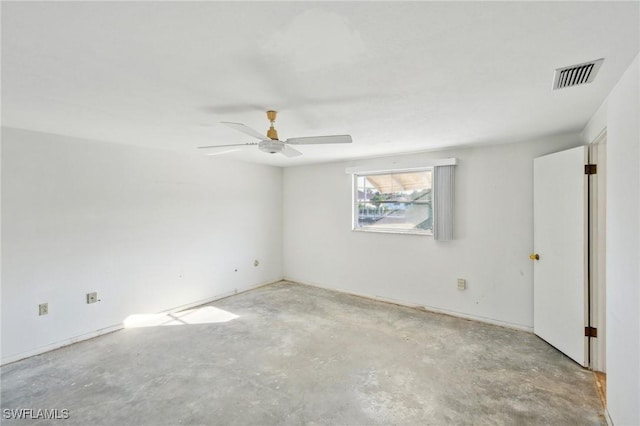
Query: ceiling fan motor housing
[(271, 146)]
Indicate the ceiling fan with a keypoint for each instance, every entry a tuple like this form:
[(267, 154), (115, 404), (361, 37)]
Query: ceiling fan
[(271, 144)]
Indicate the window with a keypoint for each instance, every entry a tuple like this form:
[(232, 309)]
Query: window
[(400, 202)]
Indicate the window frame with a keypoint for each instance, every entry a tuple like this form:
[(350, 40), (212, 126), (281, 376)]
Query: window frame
[(354, 202)]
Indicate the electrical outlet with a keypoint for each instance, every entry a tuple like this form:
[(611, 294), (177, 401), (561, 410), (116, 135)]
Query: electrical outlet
[(43, 309), (462, 284), (92, 297)]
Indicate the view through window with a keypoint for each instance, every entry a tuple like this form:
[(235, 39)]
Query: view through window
[(394, 202)]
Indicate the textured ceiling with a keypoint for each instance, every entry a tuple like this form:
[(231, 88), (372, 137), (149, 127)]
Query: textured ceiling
[(399, 77)]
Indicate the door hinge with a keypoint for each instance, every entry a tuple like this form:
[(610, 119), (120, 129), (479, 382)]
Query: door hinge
[(591, 332), (590, 169)]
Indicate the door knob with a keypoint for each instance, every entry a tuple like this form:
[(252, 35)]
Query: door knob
[(534, 256)]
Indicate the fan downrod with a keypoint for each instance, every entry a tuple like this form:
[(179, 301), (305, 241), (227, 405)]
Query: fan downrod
[(272, 133)]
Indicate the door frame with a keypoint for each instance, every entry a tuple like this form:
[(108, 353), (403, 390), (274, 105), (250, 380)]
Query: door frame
[(597, 252)]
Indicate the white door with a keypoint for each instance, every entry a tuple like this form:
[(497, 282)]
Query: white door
[(559, 216)]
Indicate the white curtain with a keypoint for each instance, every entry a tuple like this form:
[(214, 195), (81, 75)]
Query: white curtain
[(443, 196)]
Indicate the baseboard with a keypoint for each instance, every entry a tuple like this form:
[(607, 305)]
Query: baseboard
[(218, 297), (120, 326), (61, 344), (421, 307)]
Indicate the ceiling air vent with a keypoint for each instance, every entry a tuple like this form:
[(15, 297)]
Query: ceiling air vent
[(575, 75)]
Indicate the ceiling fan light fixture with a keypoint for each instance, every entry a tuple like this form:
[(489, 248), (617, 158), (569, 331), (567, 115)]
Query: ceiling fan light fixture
[(271, 146)]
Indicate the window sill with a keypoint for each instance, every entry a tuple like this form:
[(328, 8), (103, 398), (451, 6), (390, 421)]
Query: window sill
[(394, 231)]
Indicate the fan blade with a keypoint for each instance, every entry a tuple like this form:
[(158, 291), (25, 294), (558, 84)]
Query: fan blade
[(228, 151), (245, 129), (232, 108), (287, 151), (320, 139), (226, 146)]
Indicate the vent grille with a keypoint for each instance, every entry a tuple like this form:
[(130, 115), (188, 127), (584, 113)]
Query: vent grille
[(575, 75)]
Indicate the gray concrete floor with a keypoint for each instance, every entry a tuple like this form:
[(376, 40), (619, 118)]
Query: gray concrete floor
[(303, 355)]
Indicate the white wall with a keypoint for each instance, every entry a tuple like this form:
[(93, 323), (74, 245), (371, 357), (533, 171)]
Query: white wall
[(494, 228), (149, 230), (622, 112)]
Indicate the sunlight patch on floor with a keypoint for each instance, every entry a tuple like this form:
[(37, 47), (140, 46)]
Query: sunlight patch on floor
[(204, 315)]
